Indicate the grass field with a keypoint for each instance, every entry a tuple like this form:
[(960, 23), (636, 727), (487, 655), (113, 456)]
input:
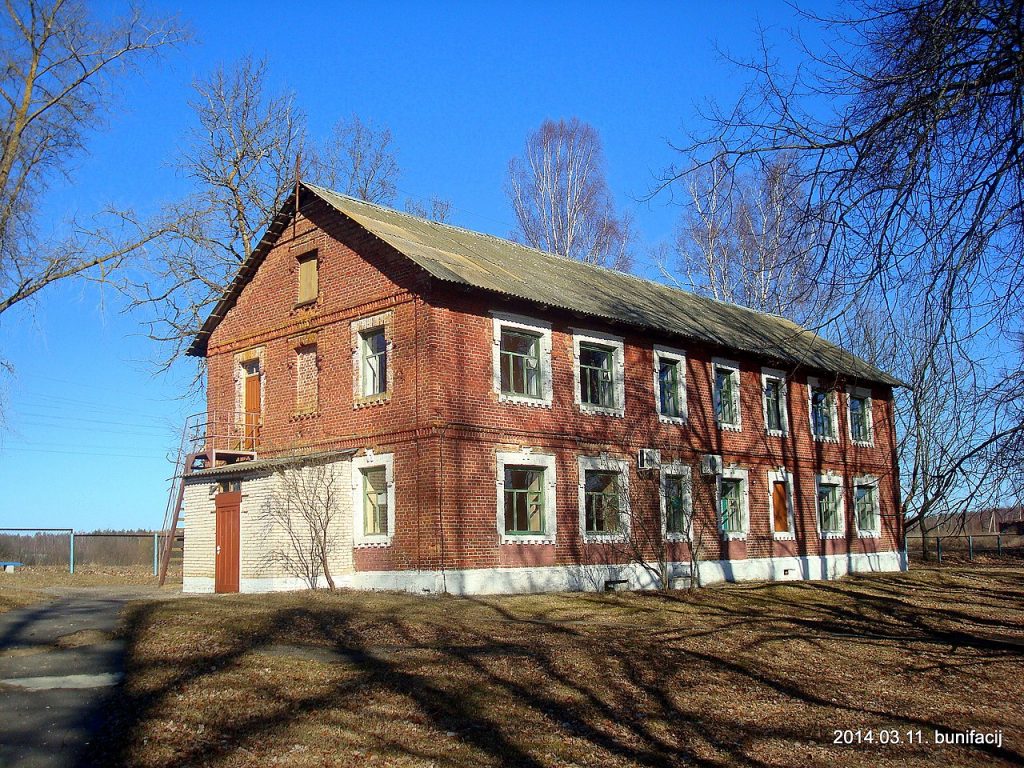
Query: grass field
[(743, 674)]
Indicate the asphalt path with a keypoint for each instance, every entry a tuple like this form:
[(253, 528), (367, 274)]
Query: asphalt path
[(59, 661)]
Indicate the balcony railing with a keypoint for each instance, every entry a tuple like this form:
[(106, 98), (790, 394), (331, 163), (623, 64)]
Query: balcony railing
[(229, 434)]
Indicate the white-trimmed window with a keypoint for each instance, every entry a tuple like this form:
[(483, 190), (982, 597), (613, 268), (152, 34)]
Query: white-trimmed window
[(821, 401), (867, 515), (733, 503), (522, 360), (831, 511), (373, 378), (676, 501), (670, 384), (373, 500), (603, 498), (780, 504), (774, 402), (599, 372), (858, 416), (526, 497), (726, 391)]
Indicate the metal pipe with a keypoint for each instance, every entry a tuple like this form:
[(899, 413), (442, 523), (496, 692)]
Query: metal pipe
[(938, 549), (156, 554), (970, 547), (71, 555)]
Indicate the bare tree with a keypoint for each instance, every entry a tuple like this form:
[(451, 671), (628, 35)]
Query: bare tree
[(304, 514), (561, 198), (749, 240), (57, 84), (906, 135), (359, 160), (439, 210), (241, 157)]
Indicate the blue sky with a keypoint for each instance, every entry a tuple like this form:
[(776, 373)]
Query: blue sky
[(89, 424)]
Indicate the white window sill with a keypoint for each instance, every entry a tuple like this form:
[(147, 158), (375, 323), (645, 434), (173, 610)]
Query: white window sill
[(863, 443), (676, 538), (869, 534), (735, 536), (525, 539), (819, 439), (730, 427), (678, 420), (833, 534), (367, 400), (536, 402), (597, 410), (783, 536), (603, 538), (374, 542), (776, 433)]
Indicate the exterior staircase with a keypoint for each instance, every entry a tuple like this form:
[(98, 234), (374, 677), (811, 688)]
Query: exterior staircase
[(208, 440)]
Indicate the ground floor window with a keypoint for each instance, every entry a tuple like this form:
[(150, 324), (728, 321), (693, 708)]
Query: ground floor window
[(526, 497), (865, 505), (524, 500), (676, 501), (830, 506), (373, 499), (375, 502), (604, 498)]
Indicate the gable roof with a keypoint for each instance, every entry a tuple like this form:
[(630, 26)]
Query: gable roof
[(489, 263)]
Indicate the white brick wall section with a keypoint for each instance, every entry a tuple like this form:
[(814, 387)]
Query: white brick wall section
[(260, 537)]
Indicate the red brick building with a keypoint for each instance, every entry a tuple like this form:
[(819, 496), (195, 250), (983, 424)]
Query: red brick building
[(501, 419)]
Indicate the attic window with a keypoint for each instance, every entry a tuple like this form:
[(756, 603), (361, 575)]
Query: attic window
[(308, 278)]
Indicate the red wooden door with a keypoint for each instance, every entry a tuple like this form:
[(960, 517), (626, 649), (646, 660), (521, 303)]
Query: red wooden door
[(253, 409), (228, 524), (780, 507)]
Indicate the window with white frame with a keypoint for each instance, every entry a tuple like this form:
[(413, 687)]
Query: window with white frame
[(603, 498), (733, 506), (780, 503), (865, 506), (522, 360), (773, 401), (373, 499), (676, 501), (858, 412), (599, 373), (526, 497), (670, 384), (372, 378), (824, 415), (831, 513), (726, 393)]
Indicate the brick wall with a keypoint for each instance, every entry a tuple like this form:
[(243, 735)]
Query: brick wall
[(443, 422)]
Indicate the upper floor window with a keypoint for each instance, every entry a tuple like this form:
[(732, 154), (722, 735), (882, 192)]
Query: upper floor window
[(604, 498), (858, 404), (670, 384), (830, 507), (371, 364), (773, 392), (526, 497), (375, 362), (727, 393), (522, 360), (865, 506), (599, 372), (732, 503), (823, 410), (309, 283)]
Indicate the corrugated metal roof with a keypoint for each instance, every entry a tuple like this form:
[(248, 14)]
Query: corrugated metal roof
[(267, 465), (486, 262), (490, 263)]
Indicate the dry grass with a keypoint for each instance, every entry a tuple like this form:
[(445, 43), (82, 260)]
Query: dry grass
[(746, 674)]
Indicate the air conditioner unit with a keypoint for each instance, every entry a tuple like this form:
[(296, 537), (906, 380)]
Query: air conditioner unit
[(648, 458), (711, 464)]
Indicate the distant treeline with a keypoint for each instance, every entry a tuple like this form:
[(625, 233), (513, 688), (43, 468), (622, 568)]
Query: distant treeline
[(100, 547)]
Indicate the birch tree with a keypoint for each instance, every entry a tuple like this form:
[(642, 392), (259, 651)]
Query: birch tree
[(561, 199)]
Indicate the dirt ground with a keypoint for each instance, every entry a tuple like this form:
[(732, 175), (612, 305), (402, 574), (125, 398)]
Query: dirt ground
[(36, 584), (755, 674)]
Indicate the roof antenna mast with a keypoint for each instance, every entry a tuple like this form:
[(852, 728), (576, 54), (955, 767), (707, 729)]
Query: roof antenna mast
[(295, 217)]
